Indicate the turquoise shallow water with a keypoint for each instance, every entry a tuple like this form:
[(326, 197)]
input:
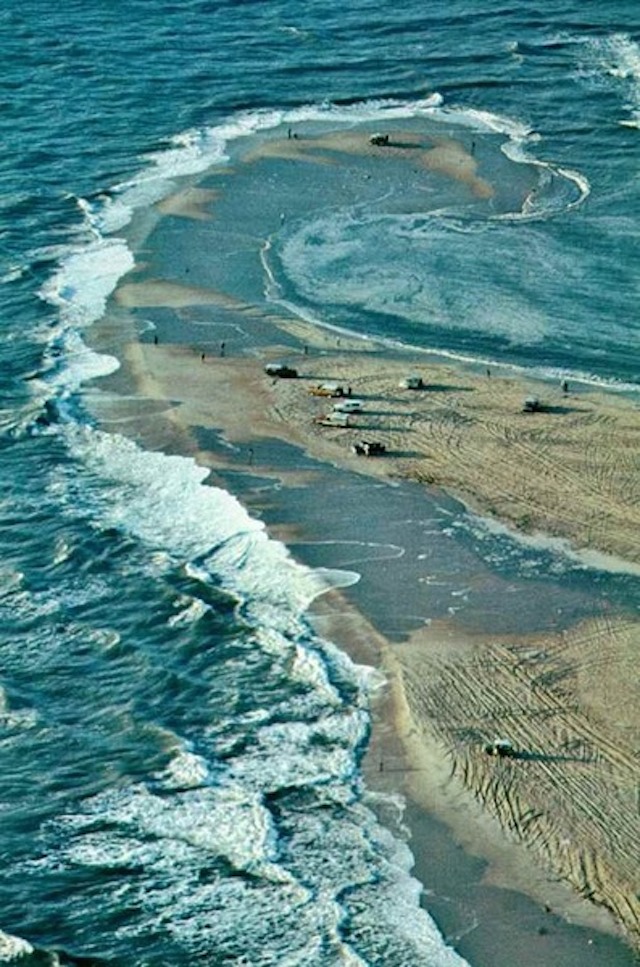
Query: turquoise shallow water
[(180, 751)]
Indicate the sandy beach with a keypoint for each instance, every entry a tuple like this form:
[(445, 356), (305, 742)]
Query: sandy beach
[(559, 821), (541, 844)]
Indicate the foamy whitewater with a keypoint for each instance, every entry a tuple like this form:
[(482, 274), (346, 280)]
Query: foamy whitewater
[(180, 751)]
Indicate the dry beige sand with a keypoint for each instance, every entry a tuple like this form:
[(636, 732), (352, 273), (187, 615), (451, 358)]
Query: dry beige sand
[(570, 471), (569, 700)]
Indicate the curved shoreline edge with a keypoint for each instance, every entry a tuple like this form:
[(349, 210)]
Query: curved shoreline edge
[(575, 678)]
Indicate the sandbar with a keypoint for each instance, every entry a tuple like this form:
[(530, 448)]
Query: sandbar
[(561, 821), (445, 156)]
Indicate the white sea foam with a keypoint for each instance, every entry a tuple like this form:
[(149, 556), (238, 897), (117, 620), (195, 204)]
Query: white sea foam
[(105, 214), (12, 948), (191, 610), (86, 277), (308, 667), (364, 878), (185, 771), (405, 277), (519, 137), (476, 119), (560, 190), (210, 522), (79, 290), (15, 718), (10, 581), (334, 578), (394, 905), (618, 56), (12, 274), (81, 365), (298, 755), (225, 822)]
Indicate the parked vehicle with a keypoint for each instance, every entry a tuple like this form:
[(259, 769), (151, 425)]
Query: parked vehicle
[(333, 419), (281, 369), (369, 448), (348, 406), (501, 748), (327, 389), (412, 382)]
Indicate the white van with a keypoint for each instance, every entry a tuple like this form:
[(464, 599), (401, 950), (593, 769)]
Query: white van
[(348, 406)]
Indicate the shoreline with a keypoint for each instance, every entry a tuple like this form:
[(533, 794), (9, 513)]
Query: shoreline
[(232, 396)]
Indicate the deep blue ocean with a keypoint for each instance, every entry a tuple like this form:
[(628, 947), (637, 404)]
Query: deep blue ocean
[(180, 752)]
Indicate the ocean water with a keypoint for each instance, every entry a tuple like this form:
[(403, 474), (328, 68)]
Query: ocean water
[(180, 752)]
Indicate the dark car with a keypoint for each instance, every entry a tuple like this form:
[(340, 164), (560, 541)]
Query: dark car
[(281, 370)]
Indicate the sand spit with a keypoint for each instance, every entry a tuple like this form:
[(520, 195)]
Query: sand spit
[(568, 702)]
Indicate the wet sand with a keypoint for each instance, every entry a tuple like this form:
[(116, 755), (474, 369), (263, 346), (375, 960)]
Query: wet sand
[(559, 823)]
